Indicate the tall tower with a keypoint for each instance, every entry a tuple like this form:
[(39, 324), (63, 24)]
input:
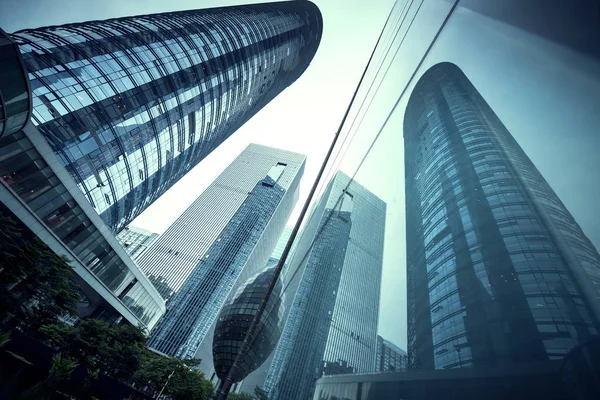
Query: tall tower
[(332, 321), (254, 289), (498, 270), (225, 236), (130, 105)]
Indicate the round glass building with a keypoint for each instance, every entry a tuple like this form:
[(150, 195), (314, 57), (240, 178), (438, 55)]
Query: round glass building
[(235, 319)]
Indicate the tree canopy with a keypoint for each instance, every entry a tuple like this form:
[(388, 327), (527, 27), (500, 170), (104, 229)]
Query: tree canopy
[(177, 376), (35, 284)]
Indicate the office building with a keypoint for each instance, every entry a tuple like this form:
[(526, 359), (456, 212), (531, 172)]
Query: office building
[(576, 377), (234, 321), (225, 236), (498, 271), (332, 321), (136, 240), (130, 105), (531, 381), (42, 197), (390, 357), (257, 374), (98, 119)]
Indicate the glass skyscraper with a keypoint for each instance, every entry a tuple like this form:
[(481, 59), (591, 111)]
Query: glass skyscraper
[(120, 110), (257, 374), (130, 105), (498, 270), (390, 357), (234, 321), (332, 322), (225, 236)]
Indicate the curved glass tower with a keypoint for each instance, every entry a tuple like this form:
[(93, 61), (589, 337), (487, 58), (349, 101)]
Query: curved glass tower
[(235, 319), (498, 270), (130, 105)]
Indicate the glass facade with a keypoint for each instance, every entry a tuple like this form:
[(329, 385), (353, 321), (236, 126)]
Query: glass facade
[(15, 99), (135, 240), (389, 357), (498, 270), (201, 262), (35, 182), (339, 257), (235, 319), (130, 105)]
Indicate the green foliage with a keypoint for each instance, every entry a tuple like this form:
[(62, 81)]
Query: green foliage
[(4, 338), (115, 350), (61, 369), (259, 394), (35, 284), (182, 381), (240, 396)]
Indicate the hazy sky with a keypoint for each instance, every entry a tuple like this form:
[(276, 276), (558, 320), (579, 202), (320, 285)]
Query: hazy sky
[(546, 93)]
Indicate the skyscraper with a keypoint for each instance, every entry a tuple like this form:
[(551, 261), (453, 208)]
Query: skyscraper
[(123, 108), (332, 322), (135, 240), (205, 352), (233, 325), (39, 192), (130, 105), (226, 235), (498, 270), (390, 358)]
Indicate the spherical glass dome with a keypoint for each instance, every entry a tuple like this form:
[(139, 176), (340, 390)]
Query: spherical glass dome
[(235, 319)]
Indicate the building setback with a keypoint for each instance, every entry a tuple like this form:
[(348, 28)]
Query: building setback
[(390, 357), (130, 105), (498, 270), (227, 233), (339, 258), (136, 240)]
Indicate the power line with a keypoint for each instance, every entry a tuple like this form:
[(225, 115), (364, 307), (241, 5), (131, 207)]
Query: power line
[(228, 381)]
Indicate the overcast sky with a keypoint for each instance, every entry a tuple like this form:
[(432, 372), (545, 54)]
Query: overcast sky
[(546, 93)]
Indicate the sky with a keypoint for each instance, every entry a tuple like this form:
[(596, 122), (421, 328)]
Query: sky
[(546, 91)]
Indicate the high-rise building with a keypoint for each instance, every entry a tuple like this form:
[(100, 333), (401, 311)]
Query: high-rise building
[(498, 270), (332, 321), (257, 375), (136, 240), (130, 105), (226, 235), (233, 324), (38, 191), (123, 108), (390, 357)]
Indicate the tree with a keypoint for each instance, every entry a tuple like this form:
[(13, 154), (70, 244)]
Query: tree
[(179, 379), (61, 369), (115, 350), (35, 284), (239, 396)]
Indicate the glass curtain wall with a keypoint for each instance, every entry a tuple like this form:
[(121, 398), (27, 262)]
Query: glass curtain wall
[(475, 125), (130, 105)]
